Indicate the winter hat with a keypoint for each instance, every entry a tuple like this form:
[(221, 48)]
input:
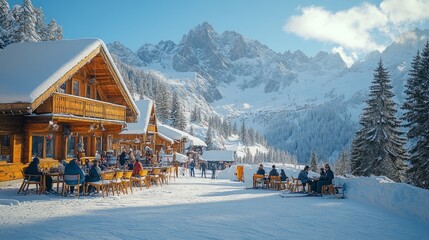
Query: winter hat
[(36, 160)]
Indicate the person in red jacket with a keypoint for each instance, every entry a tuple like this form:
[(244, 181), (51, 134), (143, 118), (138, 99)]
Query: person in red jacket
[(137, 168)]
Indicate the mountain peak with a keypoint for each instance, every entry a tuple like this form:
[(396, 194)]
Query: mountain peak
[(201, 36)]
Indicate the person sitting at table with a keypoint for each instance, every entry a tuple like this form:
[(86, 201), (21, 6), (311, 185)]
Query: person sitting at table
[(327, 179), (283, 175), (87, 166), (72, 169), (303, 177), (137, 168), (104, 165), (33, 169), (61, 166), (130, 165), (273, 171), (94, 174), (261, 170), (314, 184), (123, 158)]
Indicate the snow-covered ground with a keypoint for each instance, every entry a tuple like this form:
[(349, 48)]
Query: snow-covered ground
[(199, 208)]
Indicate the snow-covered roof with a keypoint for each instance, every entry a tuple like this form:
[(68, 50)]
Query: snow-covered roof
[(218, 155), (165, 138), (27, 70), (177, 134), (171, 132), (196, 141), (140, 127), (180, 157)]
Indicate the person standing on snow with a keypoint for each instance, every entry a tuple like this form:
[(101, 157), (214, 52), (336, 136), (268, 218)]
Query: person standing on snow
[(191, 168), (203, 169)]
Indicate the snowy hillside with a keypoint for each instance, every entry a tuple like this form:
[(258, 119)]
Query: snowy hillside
[(299, 103)]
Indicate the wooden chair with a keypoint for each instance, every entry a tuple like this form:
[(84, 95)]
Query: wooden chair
[(258, 179), (163, 176), (154, 176), (66, 186), (172, 173), (103, 184), (274, 182), (296, 185), (30, 179), (117, 182), (142, 178), (328, 189), (126, 181)]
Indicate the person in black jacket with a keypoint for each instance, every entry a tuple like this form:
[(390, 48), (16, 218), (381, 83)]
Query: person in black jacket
[(261, 170), (283, 175), (94, 174), (273, 171), (34, 169), (203, 169), (327, 180), (123, 158)]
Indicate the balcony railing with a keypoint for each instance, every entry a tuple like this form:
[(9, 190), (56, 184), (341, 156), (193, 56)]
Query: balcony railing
[(80, 106)]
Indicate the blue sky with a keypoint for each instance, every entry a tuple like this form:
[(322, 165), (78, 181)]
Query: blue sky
[(280, 24)]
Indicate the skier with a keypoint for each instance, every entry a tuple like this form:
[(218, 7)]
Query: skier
[(203, 169)]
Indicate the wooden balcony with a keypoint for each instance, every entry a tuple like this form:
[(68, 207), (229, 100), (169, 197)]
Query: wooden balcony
[(61, 103)]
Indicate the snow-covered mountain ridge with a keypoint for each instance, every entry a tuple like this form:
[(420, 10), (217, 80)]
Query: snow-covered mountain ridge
[(300, 103)]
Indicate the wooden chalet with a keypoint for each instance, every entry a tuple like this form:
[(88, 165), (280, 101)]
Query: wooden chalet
[(182, 140), (59, 100), (143, 133)]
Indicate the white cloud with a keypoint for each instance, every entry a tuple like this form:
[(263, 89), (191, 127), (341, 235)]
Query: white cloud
[(400, 11), (361, 28)]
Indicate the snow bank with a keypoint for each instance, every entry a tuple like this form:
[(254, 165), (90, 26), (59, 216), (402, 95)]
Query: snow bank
[(380, 192)]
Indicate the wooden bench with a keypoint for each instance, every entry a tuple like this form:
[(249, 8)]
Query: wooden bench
[(258, 179), (332, 190)]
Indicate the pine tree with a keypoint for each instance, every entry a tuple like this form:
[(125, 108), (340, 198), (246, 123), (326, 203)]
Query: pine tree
[(24, 28), (209, 140), (234, 128), (5, 19), (163, 103), (342, 164), (243, 133), (177, 115), (379, 149), (55, 32), (41, 27), (416, 118), (313, 162)]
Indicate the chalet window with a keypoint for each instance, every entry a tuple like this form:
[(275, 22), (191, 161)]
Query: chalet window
[(88, 91), (43, 146), (50, 146), (71, 147), (99, 144), (75, 88), (37, 147), (5, 147), (62, 88)]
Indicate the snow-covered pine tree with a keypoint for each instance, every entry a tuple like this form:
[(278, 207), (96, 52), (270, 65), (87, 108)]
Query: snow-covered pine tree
[(5, 19), (243, 133), (24, 28), (41, 27), (55, 31), (313, 162), (251, 136), (209, 138), (191, 131), (342, 164), (163, 103), (380, 145), (416, 118), (193, 117), (177, 116), (234, 128)]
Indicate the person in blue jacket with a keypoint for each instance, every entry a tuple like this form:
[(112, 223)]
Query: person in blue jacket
[(303, 177), (261, 170), (327, 179), (191, 168), (94, 174), (72, 169), (273, 171)]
